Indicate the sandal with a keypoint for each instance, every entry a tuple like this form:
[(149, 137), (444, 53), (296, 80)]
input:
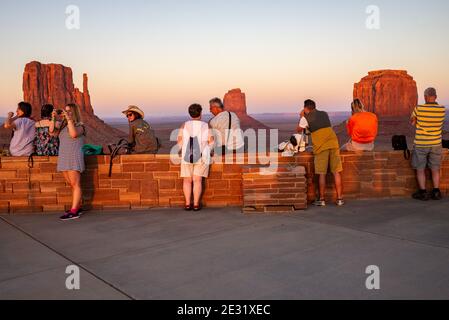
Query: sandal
[(188, 207), (197, 208)]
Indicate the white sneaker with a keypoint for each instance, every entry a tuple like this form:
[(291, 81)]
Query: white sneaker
[(319, 203)]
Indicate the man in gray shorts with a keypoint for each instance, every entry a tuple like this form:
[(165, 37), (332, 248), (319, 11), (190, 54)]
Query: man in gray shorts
[(428, 120)]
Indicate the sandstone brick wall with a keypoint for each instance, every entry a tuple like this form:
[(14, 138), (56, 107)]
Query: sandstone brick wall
[(146, 181), (370, 175), (284, 191), (137, 182)]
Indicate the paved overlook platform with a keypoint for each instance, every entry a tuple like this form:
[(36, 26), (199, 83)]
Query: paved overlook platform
[(223, 254)]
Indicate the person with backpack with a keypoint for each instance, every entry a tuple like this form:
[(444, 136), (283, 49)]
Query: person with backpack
[(226, 128), (142, 138), (429, 121), (196, 142)]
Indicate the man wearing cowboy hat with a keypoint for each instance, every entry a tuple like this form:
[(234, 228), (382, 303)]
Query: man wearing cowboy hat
[(141, 136)]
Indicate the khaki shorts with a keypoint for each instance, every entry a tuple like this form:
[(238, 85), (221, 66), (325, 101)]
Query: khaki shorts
[(328, 159), (189, 170), (427, 157)]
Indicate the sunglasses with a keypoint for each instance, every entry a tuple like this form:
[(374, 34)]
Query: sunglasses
[(129, 115)]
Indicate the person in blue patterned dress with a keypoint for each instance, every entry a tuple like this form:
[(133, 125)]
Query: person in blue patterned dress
[(46, 142)]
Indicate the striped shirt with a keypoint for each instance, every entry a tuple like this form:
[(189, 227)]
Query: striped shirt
[(429, 125)]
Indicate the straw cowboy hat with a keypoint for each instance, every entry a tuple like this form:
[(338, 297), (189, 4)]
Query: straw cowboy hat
[(134, 109)]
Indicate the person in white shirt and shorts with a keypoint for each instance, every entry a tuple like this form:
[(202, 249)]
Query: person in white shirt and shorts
[(196, 142)]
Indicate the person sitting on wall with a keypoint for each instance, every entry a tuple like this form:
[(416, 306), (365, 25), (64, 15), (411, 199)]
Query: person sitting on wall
[(226, 128), (427, 152), (196, 142), (24, 132), (142, 138), (47, 131), (326, 149), (362, 128)]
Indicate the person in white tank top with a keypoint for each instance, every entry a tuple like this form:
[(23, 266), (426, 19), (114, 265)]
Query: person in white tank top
[(196, 142)]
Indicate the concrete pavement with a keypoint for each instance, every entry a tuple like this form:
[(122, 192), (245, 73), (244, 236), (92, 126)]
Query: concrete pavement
[(321, 253)]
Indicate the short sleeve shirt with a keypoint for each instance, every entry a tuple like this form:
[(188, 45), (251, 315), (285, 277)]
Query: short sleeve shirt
[(22, 143), (220, 126)]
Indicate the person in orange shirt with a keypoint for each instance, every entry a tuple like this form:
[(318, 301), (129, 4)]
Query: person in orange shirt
[(362, 128)]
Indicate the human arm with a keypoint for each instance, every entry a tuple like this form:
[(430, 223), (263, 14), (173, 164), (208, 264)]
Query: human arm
[(55, 125), (303, 124), (414, 117), (9, 122), (350, 127), (180, 137)]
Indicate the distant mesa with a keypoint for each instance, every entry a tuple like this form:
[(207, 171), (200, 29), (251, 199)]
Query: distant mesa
[(392, 95), (53, 84), (388, 93), (235, 101)]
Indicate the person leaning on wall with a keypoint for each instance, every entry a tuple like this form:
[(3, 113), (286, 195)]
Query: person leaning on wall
[(142, 139), (362, 128), (196, 142), (428, 150), (24, 132), (326, 149), (226, 129), (71, 157)]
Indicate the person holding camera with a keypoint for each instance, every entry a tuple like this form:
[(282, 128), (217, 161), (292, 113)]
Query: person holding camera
[(71, 157), (47, 131), (23, 131)]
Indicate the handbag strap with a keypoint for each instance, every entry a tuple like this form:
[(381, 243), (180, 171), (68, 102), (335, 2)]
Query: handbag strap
[(229, 128), (114, 149), (407, 154)]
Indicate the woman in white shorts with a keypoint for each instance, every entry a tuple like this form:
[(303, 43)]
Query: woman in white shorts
[(196, 142)]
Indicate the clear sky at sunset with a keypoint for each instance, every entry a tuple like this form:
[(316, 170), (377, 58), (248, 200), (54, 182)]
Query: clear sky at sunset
[(164, 54)]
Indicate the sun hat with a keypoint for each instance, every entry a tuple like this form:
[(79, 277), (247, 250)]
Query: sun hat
[(134, 109)]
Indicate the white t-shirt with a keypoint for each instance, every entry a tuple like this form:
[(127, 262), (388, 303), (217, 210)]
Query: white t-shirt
[(220, 124), (303, 123), (22, 142), (199, 129)]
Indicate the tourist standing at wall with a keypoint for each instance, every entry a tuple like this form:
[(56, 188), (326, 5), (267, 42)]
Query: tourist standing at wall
[(141, 136), (362, 128), (24, 131), (71, 157), (326, 149), (429, 121), (196, 142), (226, 128), (47, 130)]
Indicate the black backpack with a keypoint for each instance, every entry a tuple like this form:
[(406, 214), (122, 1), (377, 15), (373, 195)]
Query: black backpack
[(193, 151), (446, 144), (399, 143)]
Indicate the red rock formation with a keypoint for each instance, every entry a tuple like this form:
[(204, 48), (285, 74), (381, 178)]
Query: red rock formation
[(235, 101), (53, 83), (389, 93)]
